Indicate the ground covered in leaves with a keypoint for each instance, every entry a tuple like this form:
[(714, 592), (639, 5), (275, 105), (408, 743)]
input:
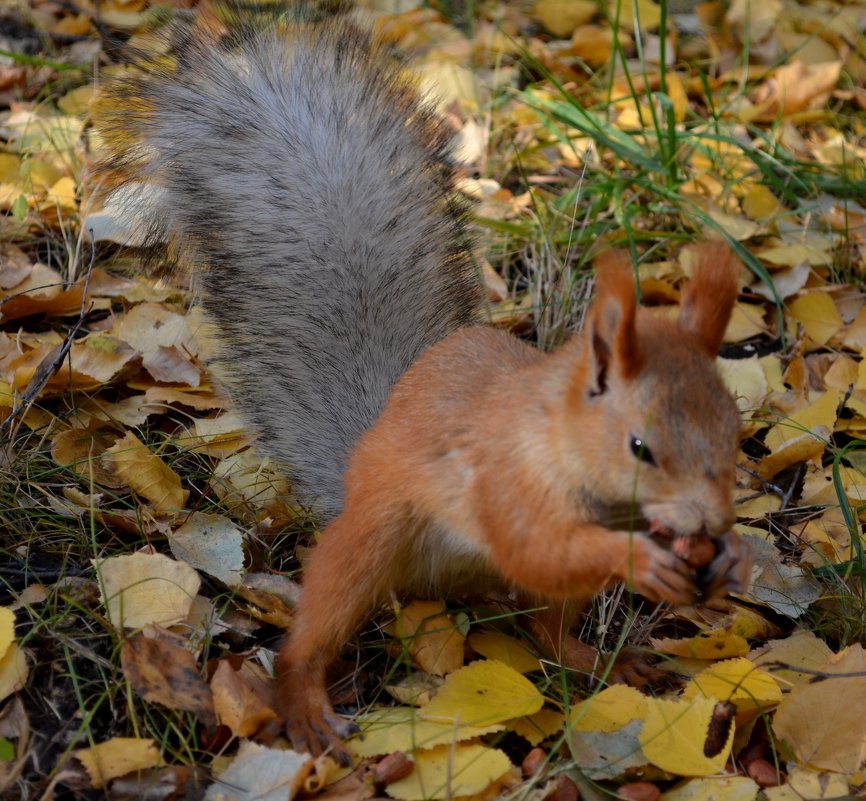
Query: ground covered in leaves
[(150, 554)]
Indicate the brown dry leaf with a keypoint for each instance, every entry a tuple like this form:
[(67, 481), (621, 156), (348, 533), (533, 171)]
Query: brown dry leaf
[(801, 649), (220, 436), (43, 293), (202, 398), (165, 341), (167, 674), (82, 449), (807, 447), (794, 87), (243, 699), (754, 23), (145, 473), (143, 588), (823, 722), (820, 412), (117, 757), (433, 642)]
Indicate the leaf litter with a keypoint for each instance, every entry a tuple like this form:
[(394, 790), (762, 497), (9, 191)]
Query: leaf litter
[(140, 445)]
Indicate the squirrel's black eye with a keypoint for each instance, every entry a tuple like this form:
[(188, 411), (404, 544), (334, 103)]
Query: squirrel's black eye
[(640, 450)]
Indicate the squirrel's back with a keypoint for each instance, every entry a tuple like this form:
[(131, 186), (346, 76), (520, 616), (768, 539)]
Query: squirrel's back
[(309, 181)]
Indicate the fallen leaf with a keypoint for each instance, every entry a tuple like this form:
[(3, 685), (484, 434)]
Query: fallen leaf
[(243, 699), (384, 731), (818, 315), (142, 588), (211, 544), (505, 649), (716, 788), (166, 674), (117, 757), (429, 634), (608, 710), (258, 773), (675, 736), (483, 693), (799, 649), (145, 473), (823, 722), (451, 771), (739, 681)]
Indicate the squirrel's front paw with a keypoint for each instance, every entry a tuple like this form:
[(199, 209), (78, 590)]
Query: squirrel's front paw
[(730, 570), (659, 574)]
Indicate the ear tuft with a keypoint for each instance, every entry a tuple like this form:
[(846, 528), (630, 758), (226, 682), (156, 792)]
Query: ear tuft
[(709, 297), (610, 324)]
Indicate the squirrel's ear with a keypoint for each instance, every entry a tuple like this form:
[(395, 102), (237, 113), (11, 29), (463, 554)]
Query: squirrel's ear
[(610, 325), (708, 298)]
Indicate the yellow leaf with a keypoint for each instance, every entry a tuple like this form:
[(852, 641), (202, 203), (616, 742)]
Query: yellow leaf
[(404, 729), (482, 693), (648, 13), (117, 757), (609, 710), (758, 507), (61, 194), (141, 588), (505, 649), (736, 680), (7, 629), (747, 321), (818, 315), (807, 447), (715, 788), (677, 735), (543, 724), (745, 380), (451, 771), (145, 473), (795, 254), (13, 671), (760, 203), (823, 722), (433, 642), (715, 644), (821, 412), (804, 783), (562, 17)]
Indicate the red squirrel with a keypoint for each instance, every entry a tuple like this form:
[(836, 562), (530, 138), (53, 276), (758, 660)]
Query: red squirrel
[(311, 185)]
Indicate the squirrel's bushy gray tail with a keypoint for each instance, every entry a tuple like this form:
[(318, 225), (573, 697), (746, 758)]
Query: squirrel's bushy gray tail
[(311, 185)]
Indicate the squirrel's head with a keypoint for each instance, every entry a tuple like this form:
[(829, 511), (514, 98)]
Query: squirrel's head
[(662, 432)]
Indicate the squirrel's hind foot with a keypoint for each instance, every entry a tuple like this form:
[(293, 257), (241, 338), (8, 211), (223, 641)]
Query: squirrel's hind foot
[(309, 720)]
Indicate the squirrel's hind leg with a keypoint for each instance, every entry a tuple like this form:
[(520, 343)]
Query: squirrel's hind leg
[(343, 581)]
